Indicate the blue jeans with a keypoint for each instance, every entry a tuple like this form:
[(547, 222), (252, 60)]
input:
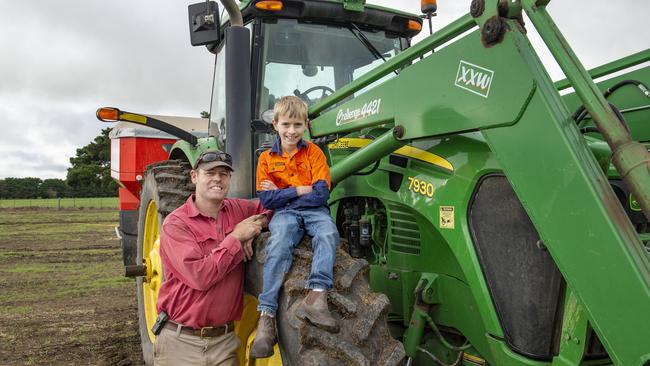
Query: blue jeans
[(287, 229)]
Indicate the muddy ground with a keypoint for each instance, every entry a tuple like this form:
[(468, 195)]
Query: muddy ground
[(63, 297)]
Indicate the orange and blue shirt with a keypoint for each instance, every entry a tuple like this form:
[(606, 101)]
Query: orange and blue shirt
[(306, 167)]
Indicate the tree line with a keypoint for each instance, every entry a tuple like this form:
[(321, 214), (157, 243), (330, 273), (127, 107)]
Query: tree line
[(88, 176)]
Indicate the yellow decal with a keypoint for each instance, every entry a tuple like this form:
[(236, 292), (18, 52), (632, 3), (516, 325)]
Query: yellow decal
[(136, 118), (408, 151), (473, 360), (421, 187), (446, 217)]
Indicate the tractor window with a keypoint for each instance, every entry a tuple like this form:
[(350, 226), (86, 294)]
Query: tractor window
[(313, 60)]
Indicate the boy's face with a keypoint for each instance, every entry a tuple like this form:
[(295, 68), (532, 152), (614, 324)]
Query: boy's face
[(290, 130)]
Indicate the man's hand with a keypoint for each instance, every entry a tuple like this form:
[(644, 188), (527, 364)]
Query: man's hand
[(303, 190), (247, 229), (267, 185), (247, 248)]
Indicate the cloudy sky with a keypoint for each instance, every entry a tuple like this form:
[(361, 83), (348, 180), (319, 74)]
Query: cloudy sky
[(61, 60)]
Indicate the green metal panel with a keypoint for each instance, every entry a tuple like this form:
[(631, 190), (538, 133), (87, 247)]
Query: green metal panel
[(183, 148), (578, 217), (547, 161)]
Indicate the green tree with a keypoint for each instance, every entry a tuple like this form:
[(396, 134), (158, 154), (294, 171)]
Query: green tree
[(205, 114), (90, 174), (20, 187), (53, 188)]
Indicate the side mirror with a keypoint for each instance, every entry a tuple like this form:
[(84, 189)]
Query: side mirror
[(204, 23)]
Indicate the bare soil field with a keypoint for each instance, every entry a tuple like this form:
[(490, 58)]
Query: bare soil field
[(63, 297)]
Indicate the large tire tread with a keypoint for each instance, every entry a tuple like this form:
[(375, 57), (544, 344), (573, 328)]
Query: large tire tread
[(363, 339)]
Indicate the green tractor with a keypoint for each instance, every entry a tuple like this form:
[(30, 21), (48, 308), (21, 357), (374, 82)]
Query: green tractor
[(488, 219)]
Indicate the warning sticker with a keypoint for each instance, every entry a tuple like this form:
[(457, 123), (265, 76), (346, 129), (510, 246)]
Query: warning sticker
[(446, 217)]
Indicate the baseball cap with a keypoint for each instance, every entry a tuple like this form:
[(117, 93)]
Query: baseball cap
[(213, 158)]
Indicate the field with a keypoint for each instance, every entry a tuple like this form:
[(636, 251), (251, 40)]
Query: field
[(64, 300), (59, 203)]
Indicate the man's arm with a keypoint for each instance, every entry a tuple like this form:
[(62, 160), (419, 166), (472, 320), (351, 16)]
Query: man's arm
[(198, 271)]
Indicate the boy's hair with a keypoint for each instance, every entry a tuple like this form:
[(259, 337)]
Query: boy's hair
[(290, 106)]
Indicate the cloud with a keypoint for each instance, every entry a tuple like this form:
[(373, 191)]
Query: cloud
[(61, 60)]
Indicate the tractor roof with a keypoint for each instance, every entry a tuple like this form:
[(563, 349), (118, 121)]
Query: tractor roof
[(335, 11)]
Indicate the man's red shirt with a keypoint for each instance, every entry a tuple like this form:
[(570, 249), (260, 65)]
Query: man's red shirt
[(203, 264)]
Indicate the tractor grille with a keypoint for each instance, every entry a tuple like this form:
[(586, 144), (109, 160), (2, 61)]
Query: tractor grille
[(404, 232)]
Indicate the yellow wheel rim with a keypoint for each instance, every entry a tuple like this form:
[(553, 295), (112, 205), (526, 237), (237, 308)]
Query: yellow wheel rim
[(151, 257)]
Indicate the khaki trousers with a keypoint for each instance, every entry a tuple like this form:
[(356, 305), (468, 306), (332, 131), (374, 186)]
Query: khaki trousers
[(172, 348)]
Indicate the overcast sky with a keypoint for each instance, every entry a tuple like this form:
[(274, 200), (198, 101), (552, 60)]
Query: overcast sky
[(61, 60)]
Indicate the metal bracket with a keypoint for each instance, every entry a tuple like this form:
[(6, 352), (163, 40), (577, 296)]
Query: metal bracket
[(574, 333)]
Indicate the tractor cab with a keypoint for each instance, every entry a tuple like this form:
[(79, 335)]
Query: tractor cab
[(305, 48), (312, 60)]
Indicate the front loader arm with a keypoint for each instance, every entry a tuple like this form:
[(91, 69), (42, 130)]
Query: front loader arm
[(502, 89)]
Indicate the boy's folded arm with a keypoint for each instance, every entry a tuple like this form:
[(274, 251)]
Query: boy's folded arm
[(318, 196), (277, 198)]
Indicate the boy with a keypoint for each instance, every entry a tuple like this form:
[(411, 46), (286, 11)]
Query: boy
[(294, 180)]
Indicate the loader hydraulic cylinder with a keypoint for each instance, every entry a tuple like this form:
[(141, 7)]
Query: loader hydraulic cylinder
[(382, 146)]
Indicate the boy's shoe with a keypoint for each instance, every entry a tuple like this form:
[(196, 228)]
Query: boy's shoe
[(314, 308), (265, 338)]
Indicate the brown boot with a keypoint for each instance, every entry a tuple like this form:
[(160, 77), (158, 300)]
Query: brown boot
[(314, 308), (265, 338)]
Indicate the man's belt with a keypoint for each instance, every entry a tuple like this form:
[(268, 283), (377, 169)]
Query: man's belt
[(205, 332)]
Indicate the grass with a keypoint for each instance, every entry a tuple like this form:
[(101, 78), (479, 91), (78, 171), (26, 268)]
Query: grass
[(58, 203), (64, 299), (15, 309)]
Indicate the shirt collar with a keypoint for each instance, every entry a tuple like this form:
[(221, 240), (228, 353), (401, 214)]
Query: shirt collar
[(277, 146), (193, 211)]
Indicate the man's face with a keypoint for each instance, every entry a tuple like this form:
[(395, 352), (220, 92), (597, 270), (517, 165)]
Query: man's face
[(290, 130), (211, 184)]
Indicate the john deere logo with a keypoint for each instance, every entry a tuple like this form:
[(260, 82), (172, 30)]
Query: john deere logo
[(474, 78)]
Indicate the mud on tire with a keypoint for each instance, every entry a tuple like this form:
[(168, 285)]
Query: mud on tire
[(363, 339), (168, 184)]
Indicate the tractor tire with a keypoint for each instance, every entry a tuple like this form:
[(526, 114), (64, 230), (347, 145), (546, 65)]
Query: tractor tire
[(363, 339), (167, 185)]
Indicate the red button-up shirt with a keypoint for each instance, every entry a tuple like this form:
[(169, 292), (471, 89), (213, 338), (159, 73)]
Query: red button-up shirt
[(203, 264)]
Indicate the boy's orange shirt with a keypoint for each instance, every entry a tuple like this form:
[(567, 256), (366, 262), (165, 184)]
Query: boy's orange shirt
[(307, 166)]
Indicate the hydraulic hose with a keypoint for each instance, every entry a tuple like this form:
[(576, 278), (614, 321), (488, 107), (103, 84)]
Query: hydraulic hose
[(438, 361), (581, 112), (442, 339), (616, 111)]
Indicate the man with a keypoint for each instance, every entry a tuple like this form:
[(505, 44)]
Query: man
[(203, 245)]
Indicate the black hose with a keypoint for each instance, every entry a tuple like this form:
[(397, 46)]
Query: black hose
[(581, 112), (618, 114), (372, 170)]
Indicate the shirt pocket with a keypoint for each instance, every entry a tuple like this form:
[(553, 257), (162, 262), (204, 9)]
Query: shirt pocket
[(278, 173), (303, 168), (206, 240)]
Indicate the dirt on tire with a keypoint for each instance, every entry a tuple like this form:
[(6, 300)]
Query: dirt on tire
[(363, 339)]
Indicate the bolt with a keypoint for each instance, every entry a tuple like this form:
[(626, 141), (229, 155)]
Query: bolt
[(493, 31), (476, 8)]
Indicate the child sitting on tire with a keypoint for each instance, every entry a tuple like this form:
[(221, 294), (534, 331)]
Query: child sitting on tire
[(294, 180)]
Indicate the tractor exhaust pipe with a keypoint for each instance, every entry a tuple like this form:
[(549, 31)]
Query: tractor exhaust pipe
[(238, 102)]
